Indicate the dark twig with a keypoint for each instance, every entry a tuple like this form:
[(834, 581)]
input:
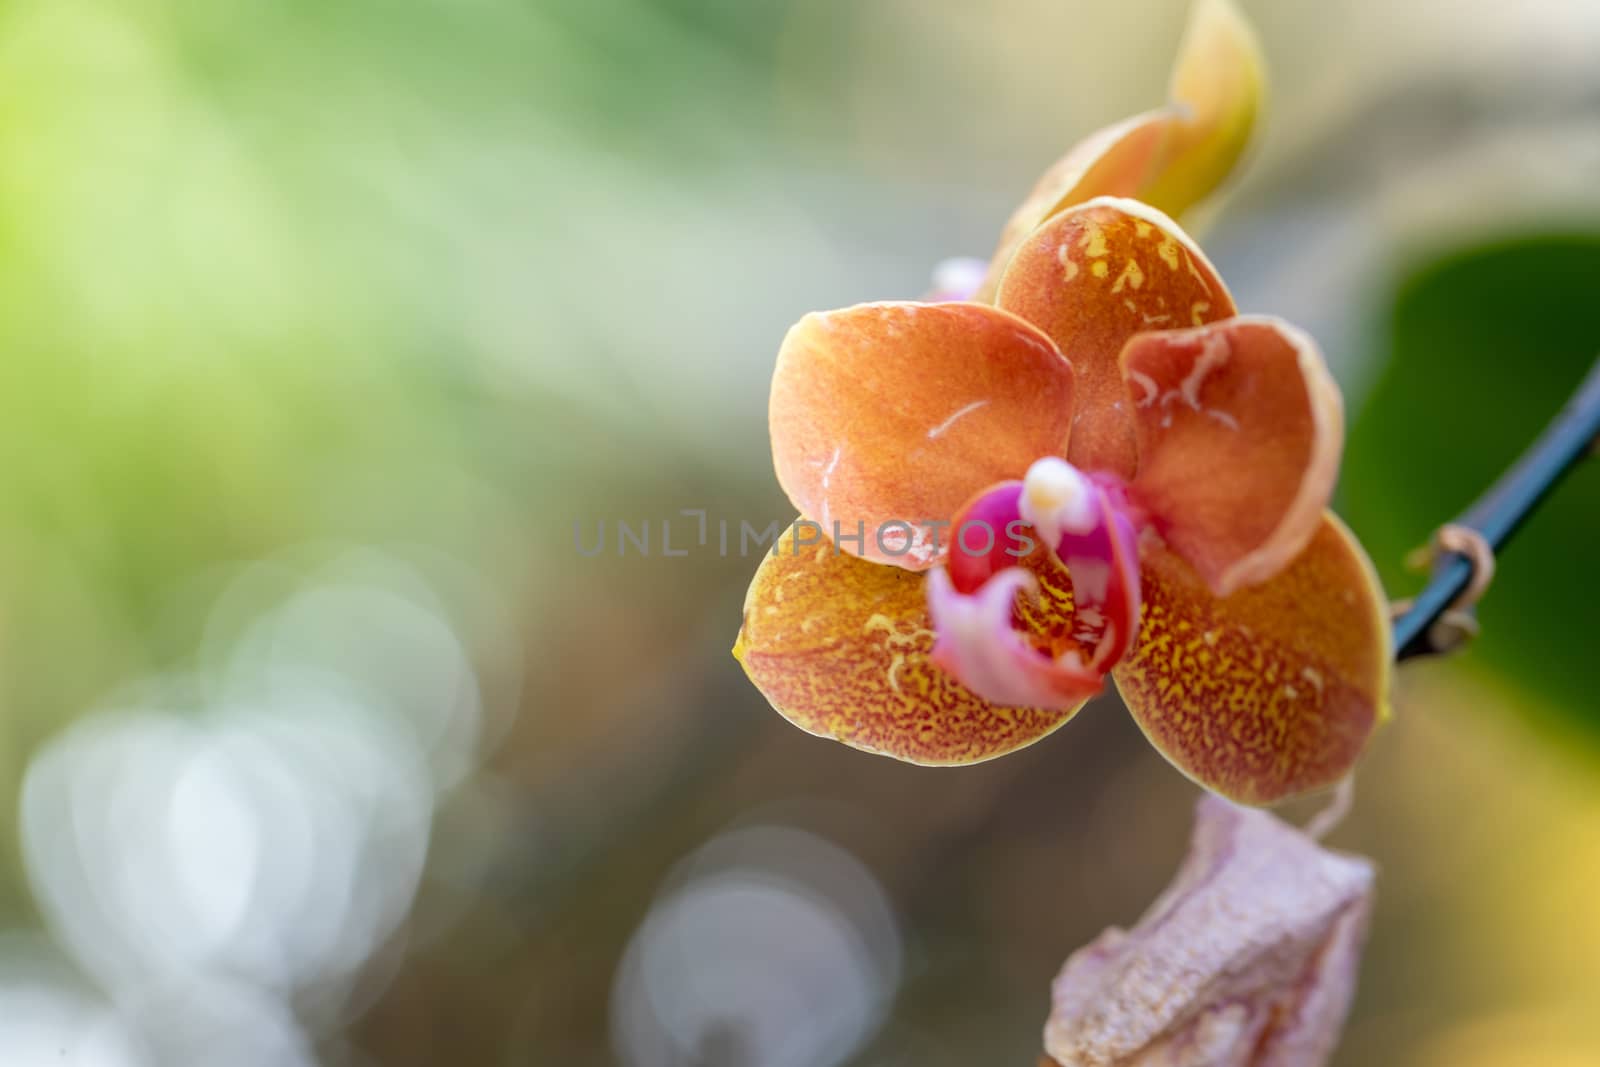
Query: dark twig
[(1501, 511)]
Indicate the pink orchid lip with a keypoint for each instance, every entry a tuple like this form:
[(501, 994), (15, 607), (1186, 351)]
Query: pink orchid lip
[(978, 644), (1086, 523), (988, 536)]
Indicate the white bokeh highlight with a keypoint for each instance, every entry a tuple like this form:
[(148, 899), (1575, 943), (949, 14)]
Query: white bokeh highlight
[(771, 947), (220, 849)]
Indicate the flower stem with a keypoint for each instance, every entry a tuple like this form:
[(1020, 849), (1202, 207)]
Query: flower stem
[(1501, 510)]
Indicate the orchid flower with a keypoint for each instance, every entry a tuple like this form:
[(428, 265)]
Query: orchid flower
[(1105, 471)]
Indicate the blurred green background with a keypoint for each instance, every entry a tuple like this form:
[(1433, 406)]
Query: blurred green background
[(322, 324)]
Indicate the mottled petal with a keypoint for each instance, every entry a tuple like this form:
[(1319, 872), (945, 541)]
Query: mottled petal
[(1248, 959), (1092, 278), (1272, 691), (886, 414), (1171, 157), (841, 648), (1239, 427), (978, 644)]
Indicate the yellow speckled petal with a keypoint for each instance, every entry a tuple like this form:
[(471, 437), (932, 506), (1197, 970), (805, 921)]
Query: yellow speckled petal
[(840, 646), (1092, 278), (1172, 157), (1273, 691)]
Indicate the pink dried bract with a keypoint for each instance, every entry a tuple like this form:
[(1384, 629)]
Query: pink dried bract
[(1247, 960)]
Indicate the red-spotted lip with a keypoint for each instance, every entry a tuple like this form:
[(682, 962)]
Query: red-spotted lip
[(971, 601)]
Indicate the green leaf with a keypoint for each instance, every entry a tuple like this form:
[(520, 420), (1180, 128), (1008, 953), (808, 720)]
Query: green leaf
[(1484, 348)]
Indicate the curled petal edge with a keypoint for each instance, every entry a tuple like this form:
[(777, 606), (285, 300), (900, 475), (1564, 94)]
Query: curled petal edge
[(1239, 352)]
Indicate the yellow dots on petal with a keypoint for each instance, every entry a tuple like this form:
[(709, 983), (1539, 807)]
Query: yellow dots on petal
[(1064, 256), (1093, 241), (894, 671), (893, 635), (1168, 251), (1132, 276), (1099, 269), (1197, 312)]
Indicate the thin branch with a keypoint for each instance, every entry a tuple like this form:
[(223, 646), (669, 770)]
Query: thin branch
[(1501, 511)]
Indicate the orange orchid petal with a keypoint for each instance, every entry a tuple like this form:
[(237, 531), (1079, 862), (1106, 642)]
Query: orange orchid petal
[(1113, 161), (1240, 427), (1273, 691), (1172, 157), (840, 647), (888, 416), (1093, 277)]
